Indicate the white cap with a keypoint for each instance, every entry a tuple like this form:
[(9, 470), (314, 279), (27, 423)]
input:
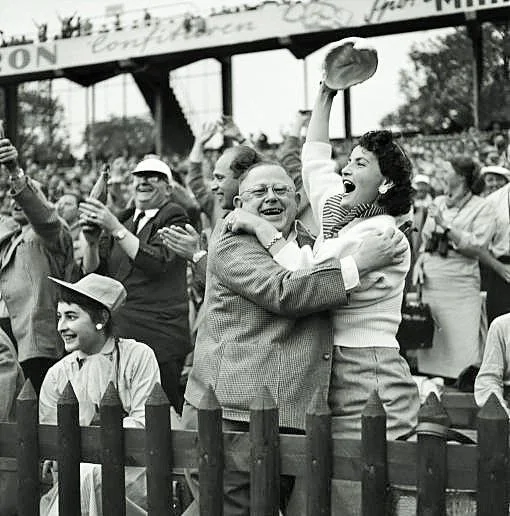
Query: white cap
[(421, 178), (496, 169), (154, 165)]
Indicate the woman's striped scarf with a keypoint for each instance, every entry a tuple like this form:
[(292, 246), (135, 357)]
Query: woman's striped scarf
[(335, 216)]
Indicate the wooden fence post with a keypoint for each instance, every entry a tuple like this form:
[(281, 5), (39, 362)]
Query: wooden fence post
[(69, 445), (319, 456), (27, 453), (374, 482), (210, 455), (112, 454), (158, 453), (433, 422), (265, 456), (492, 497)]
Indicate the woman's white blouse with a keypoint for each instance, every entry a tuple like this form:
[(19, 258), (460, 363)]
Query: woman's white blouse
[(132, 367)]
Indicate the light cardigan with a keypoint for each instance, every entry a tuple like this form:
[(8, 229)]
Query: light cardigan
[(494, 374), (372, 317)]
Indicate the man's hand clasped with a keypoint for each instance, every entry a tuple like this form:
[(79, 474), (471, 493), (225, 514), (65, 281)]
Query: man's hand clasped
[(96, 213), (242, 221)]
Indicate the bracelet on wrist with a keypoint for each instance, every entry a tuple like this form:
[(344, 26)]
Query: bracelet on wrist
[(276, 237)]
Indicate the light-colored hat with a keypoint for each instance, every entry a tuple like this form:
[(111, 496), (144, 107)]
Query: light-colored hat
[(496, 169), (349, 62), (154, 165), (106, 291), (421, 178)]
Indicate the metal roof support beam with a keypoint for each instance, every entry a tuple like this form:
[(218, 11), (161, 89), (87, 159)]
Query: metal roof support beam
[(173, 133), (227, 85), (11, 113), (474, 29)]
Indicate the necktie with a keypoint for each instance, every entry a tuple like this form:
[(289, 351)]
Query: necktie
[(137, 220)]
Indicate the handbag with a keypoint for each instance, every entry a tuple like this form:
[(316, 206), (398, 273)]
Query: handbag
[(416, 329)]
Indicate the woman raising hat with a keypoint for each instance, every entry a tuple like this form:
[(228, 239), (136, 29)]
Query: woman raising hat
[(95, 358)]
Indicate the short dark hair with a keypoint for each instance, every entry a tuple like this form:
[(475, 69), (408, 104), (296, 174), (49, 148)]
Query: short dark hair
[(394, 165), (244, 158), (93, 308), (466, 167)]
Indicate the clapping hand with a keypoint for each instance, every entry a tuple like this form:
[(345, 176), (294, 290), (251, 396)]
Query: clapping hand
[(184, 241), (437, 214)]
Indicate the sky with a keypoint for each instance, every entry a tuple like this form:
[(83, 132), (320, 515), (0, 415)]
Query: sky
[(268, 87)]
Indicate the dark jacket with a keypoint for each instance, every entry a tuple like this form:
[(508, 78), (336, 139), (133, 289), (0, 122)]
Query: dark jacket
[(156, 309)]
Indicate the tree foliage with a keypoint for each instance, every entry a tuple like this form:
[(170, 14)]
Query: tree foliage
[(130, 136), (42, 136), (438, 88)]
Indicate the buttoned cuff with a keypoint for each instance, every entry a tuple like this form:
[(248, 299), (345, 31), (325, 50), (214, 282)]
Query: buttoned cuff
[(349, 273)]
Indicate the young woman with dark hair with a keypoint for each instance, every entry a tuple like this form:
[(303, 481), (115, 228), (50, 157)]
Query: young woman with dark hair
[(95, 358), (372, 195)]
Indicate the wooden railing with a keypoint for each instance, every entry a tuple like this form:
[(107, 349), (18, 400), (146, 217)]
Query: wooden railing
[(430, 464)]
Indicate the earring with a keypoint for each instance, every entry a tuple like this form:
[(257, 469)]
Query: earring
[(99, 326), (383, 189)]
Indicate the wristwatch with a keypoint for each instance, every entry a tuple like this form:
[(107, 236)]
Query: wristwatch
[(119, 234), (198, 255)]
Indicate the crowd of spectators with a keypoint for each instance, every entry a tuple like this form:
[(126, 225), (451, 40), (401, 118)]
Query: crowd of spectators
[(73, 26), (153, 231)]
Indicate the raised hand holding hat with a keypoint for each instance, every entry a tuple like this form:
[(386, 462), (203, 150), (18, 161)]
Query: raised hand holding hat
[(349, 62)]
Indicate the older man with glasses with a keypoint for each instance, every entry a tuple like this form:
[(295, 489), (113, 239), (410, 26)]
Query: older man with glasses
[(267, 326), (131, 251)]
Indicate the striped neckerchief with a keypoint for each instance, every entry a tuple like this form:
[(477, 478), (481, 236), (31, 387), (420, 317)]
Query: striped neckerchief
[(335, 216)]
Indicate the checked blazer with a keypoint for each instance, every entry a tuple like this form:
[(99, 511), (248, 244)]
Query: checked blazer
[(265, 326)]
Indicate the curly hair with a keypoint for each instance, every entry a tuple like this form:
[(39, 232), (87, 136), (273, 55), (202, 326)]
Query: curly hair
[(395, 166), (466, 167)]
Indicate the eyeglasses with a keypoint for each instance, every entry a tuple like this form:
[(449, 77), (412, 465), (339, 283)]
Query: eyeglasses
[(150, 178), (259, 191)]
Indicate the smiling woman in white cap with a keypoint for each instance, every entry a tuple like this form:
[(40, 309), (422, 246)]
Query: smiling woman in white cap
[(95, 358)]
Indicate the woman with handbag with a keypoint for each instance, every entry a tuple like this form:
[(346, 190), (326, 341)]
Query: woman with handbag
[(457, 222)]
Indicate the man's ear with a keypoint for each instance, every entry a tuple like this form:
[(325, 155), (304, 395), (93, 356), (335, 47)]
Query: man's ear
[(238, 203), (298, 199)]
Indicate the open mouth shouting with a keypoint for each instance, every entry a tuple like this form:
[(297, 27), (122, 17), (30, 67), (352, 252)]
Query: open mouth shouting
[(349, 186)]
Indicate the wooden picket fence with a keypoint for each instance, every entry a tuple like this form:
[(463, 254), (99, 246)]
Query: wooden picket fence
[(430, 464)]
